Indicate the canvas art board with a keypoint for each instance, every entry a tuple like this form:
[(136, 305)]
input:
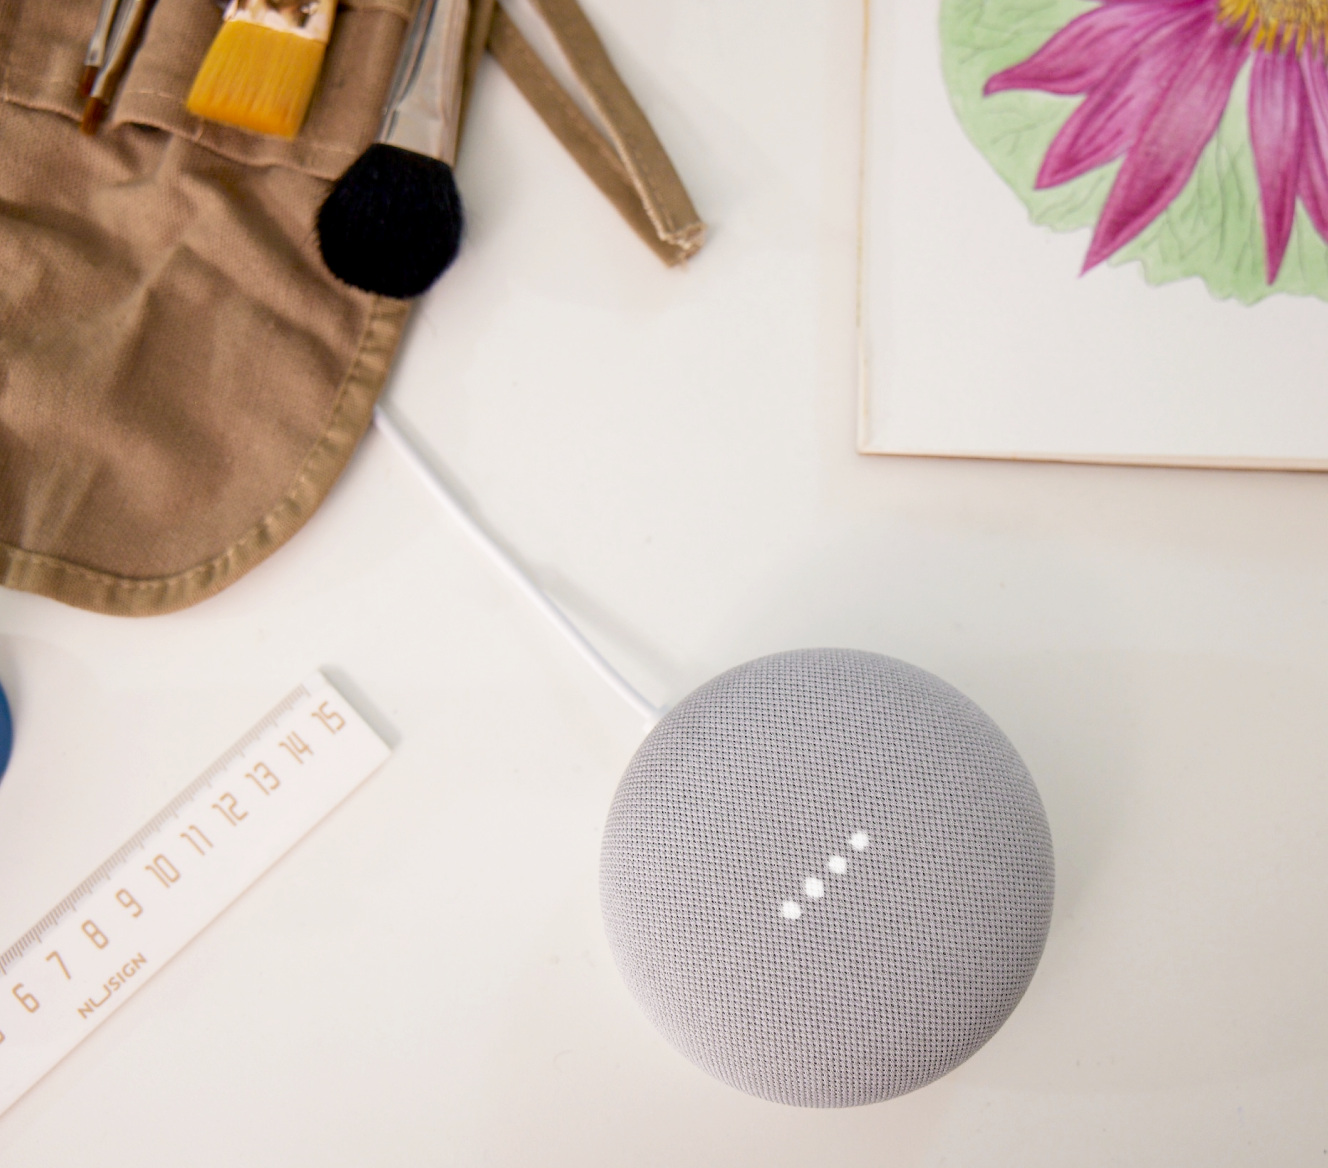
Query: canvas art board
[(979, 335)]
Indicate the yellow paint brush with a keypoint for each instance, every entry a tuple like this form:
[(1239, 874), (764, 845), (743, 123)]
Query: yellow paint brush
[(261, 70)]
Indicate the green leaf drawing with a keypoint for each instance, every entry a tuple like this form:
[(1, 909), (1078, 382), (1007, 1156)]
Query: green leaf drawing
[(1211, 230)]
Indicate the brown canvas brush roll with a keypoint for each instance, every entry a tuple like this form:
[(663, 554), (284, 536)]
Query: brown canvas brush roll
[(181, 378)]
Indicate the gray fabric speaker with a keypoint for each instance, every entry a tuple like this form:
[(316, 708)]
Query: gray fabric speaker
[(827, 877)]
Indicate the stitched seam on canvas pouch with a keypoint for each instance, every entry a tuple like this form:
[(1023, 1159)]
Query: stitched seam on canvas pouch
[(105, 592), (120, 453)]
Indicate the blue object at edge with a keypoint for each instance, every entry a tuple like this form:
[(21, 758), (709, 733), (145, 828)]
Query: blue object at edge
[(6, 732)]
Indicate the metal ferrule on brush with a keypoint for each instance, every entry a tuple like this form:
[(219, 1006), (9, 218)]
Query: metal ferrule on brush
[(128, 19), (423, 111), (98, 84), (392, 223), (96, 54)]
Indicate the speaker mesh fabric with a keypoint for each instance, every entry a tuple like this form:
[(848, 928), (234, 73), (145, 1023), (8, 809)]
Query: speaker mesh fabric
[(919, 944)]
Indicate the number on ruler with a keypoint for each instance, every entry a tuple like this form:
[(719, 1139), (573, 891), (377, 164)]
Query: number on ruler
[(163, 870), (229, 808), (189, 839), (259, 774), (295, 746), (227, 874), (326, 717)]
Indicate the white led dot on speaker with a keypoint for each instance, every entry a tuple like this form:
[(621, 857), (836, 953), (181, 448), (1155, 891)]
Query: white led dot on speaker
[(814, 887), (791, 910), (859, 841), (837, 864)]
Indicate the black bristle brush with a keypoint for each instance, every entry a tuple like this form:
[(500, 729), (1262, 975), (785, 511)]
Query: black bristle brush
[(392, 223)]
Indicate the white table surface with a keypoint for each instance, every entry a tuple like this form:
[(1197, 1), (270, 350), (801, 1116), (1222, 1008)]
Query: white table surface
[(424, 980)]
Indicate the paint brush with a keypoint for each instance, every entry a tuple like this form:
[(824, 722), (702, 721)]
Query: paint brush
[(96, 54), (392, 223), (128, 23), (262, 68)]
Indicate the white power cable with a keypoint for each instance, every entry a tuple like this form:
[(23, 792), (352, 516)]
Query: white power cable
[(537, 596)]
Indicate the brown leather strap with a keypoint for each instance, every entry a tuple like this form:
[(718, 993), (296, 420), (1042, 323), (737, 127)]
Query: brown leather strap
[(631, 168)]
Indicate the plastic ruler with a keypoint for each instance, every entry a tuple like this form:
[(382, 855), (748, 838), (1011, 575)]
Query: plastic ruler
[(98, 946)]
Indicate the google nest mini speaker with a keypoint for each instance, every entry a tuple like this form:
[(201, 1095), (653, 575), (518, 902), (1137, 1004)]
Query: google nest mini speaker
[(827, 877)]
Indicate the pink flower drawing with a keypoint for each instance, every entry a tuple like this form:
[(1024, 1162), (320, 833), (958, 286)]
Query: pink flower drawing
[(1156, 77)]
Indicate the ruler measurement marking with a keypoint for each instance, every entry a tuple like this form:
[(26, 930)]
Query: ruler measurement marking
[(52, 1021), (141, 836)]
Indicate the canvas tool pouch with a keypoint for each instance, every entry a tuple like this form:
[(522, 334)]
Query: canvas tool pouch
[(181, 378)]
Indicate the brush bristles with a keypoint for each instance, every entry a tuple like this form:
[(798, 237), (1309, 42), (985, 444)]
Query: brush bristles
[(393, 222), (93, 113), (257, 78)]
